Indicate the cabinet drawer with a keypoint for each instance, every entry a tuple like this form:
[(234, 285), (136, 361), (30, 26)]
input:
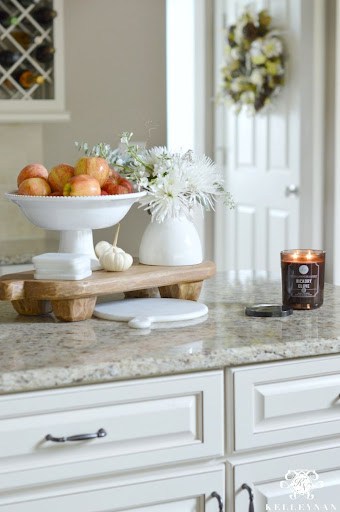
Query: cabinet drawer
[(308, 481), (179, 491), (286, 402), (148, 422)]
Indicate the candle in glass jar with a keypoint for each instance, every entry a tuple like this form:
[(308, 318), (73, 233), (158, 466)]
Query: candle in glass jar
[(303, 276)]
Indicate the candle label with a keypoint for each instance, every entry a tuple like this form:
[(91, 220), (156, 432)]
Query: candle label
[(303, 279)]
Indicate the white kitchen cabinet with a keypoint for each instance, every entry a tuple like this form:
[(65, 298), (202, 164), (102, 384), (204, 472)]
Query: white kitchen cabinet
[(286, 402), (293, 404), (148, 423), (164, 450), (179, 491), (44, 102)]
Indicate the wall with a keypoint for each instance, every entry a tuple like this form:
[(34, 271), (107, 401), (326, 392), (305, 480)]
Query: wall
[(115, 81), (19, 145), (329, 212)]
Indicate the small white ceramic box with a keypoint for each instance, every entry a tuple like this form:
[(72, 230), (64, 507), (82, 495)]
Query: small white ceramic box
[(62, 266)]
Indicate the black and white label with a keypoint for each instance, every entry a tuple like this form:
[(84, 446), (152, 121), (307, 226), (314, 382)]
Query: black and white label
[(303, 279)]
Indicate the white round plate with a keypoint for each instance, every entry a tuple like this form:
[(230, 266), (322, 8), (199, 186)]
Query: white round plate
[(141, 313)]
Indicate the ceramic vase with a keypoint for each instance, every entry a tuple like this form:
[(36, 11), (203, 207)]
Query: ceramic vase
[(171, 242)]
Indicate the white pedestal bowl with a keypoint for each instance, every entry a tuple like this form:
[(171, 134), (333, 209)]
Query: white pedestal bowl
[(76, 217)]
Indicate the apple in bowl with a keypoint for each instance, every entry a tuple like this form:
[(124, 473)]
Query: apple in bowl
[(116, 184), (59, 175), (32, 171), (34, 187), (82, 185), (93, 166)]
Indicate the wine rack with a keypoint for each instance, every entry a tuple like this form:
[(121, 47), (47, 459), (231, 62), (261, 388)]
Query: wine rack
[(24, 36)]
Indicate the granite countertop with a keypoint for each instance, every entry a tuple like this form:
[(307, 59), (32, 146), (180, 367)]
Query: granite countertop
[(16, 252), (41, 352)]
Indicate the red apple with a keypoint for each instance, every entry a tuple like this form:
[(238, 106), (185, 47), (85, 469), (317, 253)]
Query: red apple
[(59, 175), (32, 171), (94, 166), (34, 187), (116, 184), (82, 185)]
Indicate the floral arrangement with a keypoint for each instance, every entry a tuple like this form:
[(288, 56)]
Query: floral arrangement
[(254, 62), (175, 182)]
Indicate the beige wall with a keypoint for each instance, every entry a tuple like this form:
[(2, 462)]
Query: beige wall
[(19, 145), (115, 81)]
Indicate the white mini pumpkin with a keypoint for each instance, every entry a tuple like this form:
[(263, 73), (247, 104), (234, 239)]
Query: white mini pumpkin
[(111, 257), (102, 247), (116, 260)]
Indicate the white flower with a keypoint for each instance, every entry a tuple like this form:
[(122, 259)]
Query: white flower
[(125, 138), (247, 97), (237, 85), (257, 77), (272, 47), (235, 54), (175, 182), (256, 47)]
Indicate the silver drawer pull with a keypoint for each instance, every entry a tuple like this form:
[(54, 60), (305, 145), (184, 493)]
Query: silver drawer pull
[(219, 500), (80, 437), (251, 496)]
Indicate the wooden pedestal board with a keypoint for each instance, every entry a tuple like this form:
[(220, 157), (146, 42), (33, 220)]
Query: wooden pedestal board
[(72, 301)]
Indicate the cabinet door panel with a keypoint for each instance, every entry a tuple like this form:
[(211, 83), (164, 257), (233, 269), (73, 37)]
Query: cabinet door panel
[(165, 492), (148, 422), (286, 483), (288, 402)]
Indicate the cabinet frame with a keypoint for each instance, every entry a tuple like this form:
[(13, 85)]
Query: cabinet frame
[(12, 111)]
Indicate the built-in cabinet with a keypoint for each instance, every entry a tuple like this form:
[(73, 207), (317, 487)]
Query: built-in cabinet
[(32, 87), (277, 409), (151, 445), (198, 442)]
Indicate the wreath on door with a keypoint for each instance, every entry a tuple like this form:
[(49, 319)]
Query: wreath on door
[(254, 70)]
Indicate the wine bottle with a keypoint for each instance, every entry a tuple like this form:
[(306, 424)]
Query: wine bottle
[(26, 39), (44, 16), (8, 58), (6, 19), (45, 53), (27, 3), (27, 78)]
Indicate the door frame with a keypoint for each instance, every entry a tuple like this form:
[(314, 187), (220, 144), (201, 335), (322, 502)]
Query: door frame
[(333, 217), (198, 118)]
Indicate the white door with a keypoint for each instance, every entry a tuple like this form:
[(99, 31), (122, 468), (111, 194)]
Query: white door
[(272, 160), (309, 481)]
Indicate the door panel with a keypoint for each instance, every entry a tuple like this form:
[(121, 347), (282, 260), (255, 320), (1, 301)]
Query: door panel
[(269, 164)]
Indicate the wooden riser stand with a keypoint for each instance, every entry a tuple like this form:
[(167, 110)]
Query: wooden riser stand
[(72, 301)]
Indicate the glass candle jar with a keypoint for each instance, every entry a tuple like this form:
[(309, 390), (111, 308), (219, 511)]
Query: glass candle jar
[(303, 277)]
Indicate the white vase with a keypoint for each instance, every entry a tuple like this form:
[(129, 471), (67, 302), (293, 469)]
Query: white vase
[(170, 243)]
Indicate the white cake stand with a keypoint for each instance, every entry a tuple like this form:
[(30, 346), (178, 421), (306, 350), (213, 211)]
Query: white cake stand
[(76, 217)]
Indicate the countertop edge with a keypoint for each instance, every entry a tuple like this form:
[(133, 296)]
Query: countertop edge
[(60, 377)]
